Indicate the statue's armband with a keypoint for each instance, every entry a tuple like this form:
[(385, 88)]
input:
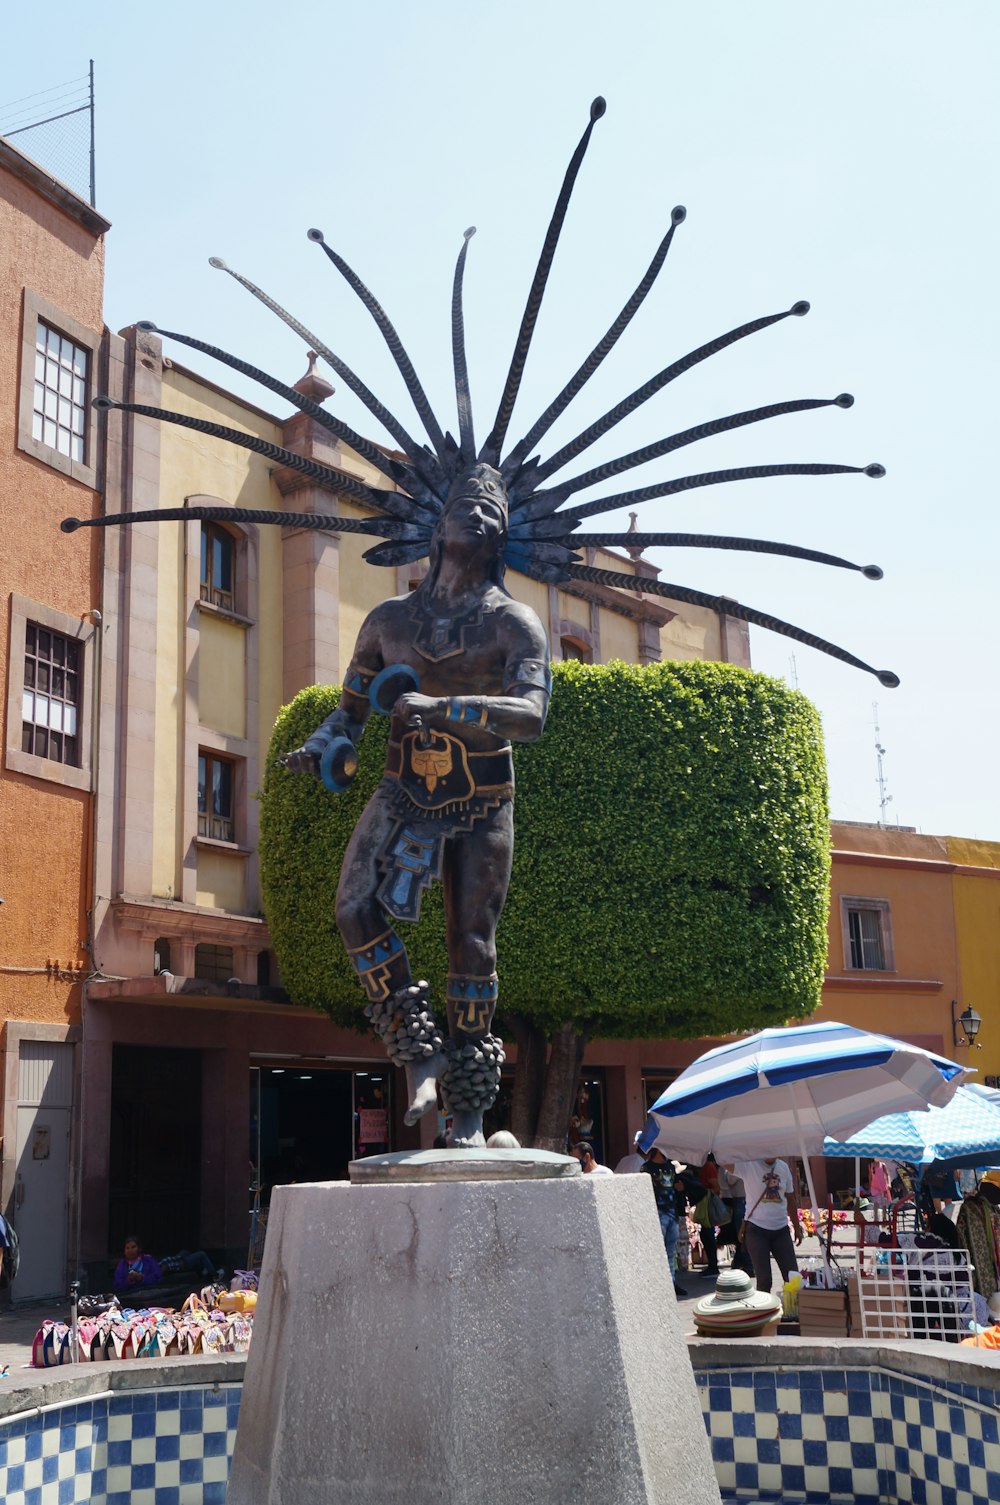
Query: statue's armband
[(528, 673), (357, 683)]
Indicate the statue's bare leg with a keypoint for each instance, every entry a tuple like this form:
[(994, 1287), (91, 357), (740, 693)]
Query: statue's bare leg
[(476, 874), (397, 1007)]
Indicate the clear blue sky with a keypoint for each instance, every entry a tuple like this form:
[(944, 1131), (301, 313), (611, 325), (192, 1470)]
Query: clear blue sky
[(844, 154)]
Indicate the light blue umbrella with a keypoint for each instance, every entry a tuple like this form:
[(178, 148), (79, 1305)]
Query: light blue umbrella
[(785, 1091), (966, 1131)]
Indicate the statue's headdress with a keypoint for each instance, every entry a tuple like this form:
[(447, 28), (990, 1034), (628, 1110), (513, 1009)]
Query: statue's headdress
[(542, 529)]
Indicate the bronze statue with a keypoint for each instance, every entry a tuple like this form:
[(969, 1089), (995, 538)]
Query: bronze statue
[(461, 667), (444, 807)]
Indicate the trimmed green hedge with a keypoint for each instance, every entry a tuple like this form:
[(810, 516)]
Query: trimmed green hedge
[(671, 869)]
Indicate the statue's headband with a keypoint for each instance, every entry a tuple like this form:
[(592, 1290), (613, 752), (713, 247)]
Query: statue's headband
[(480, 483)]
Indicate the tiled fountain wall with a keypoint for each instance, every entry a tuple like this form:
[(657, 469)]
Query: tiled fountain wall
[(789, 1421)]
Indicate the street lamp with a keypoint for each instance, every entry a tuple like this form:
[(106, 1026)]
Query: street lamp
[(965, 1026)]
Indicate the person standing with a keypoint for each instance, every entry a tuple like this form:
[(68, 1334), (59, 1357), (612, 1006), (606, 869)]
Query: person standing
[(708, 1175), (878, 1190), (771, 1207), (662, 1174), (632, 1164), (735, 1198)]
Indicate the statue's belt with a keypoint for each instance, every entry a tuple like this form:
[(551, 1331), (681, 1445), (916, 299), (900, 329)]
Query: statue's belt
[(440, 775)]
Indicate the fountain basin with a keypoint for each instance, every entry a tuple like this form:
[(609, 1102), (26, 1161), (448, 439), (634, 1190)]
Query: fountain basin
[(787, 1420)]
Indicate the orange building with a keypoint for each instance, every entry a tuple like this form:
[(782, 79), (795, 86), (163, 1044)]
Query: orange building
[(915, 942), (51, 348)]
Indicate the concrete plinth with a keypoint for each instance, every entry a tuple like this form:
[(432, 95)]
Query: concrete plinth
[(479, 1342)]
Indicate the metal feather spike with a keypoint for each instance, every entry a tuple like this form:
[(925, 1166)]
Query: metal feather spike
[(490, 452), (656, 384), (396, 347), (417, 455), (649, 587), (583, 374)]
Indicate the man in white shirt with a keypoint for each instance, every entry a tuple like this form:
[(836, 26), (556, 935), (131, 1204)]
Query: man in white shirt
[(631, 1165), (584, 1152), (771, 1206)]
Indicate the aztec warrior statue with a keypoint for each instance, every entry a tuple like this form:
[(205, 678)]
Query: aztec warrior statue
[(461, 667), (444, 807)]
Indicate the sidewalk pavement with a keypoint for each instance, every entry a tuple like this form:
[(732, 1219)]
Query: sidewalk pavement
[(18, 1324), (698, 1286)]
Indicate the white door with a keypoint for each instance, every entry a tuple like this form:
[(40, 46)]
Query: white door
[(41, 1188)]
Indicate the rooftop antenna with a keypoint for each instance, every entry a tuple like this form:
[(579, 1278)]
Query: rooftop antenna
[(795, 672), (883, 799)]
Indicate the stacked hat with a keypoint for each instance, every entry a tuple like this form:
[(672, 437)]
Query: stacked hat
[(736, 1308)]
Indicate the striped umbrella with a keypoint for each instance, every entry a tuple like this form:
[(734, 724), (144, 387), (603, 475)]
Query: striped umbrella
[(786, 1091), (966, 1131)]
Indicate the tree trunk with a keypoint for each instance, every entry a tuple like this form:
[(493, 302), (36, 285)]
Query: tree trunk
[(559, 1093), (529, 1079)]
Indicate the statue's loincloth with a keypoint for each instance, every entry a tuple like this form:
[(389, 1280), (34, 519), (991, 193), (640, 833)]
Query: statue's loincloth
[(435, 788)]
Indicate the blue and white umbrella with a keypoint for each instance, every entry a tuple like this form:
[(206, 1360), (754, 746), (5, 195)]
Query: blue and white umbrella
[(964, 1132), (786, 1091)]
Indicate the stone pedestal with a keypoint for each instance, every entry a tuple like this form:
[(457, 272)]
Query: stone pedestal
[(469, 1342)]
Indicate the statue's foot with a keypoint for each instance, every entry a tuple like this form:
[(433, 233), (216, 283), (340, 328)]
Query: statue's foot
[(421, 1085), (466, 1131)]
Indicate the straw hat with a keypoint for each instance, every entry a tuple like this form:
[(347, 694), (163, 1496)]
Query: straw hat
[(735, 1307)]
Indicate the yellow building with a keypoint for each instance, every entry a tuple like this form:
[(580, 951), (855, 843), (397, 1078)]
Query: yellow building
[(188, 1039), (189, 1044)]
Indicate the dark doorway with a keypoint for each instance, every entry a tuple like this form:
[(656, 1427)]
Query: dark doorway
[(305, 1125), (155, 1148)]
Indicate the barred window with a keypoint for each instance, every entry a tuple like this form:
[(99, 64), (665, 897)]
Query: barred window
[(215, 798), (218, 553), (213, 963), (50, 699), (59, 409), (867, 934)]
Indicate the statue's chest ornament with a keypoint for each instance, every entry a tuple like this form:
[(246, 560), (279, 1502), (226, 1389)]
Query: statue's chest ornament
[(439, 637)]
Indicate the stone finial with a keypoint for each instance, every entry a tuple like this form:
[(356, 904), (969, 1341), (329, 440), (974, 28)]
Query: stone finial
[(312, 384), (633, 519)]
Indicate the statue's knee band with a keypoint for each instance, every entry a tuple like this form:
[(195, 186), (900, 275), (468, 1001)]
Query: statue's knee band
[(382, 966), (472, 1078), (471, 1003)]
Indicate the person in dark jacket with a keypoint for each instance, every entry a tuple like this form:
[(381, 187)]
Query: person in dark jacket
[(661, 1173)]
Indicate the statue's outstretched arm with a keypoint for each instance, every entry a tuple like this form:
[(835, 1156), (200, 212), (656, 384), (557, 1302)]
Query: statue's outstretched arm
[(353, 708)]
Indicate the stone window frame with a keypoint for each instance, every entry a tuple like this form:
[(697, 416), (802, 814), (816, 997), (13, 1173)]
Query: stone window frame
[(881, 907), (23, 611), (584, 651), (213, 758), (246, 548), (35, 308)]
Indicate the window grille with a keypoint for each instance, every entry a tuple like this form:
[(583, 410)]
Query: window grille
[(865, 931), (60, 402), (218, 555), (50, 699), (215, 798), (213, 963)]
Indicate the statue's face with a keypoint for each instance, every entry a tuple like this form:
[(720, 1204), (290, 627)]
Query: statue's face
[(473, 526), (474, 521)]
